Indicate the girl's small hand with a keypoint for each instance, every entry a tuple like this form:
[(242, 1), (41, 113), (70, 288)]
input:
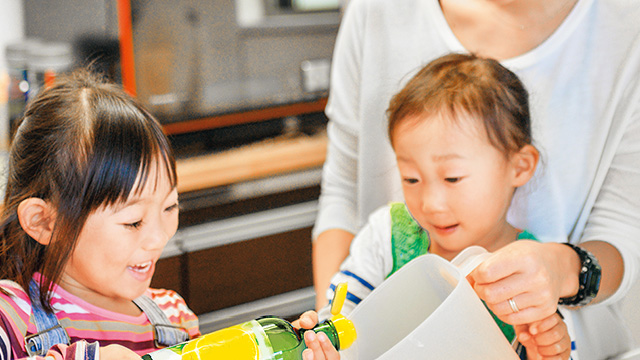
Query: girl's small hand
[(533, 275), (117, 352), (307, 320), (319, 346), (547, 339)]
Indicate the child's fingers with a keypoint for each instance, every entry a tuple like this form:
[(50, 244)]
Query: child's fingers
[(523, 335), (556, 351), (313, 344), (527, 340), (544, 324), (328, 350), (556, 334), (554, 343), (307, 320), (548, 347), (307, 354), (319, 347), (548, 339)]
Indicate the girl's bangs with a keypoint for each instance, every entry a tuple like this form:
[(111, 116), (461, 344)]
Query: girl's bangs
[(124, 152)]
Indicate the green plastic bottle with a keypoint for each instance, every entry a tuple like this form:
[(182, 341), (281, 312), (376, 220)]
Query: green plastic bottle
[(266, 338)]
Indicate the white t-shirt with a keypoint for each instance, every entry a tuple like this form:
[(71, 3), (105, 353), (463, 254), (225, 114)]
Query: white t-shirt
[(584, 85)]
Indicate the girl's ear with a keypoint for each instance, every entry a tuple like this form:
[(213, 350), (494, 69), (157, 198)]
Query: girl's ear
[(524, 164), (37, 218)]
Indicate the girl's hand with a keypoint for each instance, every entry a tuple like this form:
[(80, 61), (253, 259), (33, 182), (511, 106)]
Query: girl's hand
[(533, 275), (307, 320), (318, 345), (547, 339), (117, 352)]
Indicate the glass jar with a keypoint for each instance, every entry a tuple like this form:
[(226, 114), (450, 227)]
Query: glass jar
[(45, 62), (18, 93)]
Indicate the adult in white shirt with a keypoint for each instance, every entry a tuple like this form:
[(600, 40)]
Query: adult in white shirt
[(580, 61)]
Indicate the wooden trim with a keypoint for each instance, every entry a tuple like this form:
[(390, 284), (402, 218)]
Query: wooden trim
[(251, 162), (125, 37), (269, 113)]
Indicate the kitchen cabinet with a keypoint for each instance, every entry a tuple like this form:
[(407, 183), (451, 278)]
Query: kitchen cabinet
[(249, 270)]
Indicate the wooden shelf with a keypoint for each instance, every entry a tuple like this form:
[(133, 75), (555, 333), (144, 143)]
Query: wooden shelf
[(267, 158)]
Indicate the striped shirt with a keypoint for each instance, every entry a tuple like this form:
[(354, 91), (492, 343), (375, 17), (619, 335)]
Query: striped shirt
[(86, 323)]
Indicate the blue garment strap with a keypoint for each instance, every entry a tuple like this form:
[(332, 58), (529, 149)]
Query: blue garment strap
[(49, 330), (165, 333)]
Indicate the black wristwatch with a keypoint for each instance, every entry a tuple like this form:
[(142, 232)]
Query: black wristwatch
[(589, 279)]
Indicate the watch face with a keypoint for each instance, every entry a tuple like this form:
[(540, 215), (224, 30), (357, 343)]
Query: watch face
[(592, 280)]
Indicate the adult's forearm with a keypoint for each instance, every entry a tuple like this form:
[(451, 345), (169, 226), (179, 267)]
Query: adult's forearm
[(612, 265), (610, 261), (329, 251)]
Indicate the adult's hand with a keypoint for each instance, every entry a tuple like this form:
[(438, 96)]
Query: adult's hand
[(533, 275)]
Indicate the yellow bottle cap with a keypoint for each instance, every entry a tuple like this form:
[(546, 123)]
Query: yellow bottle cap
[(344, 327)]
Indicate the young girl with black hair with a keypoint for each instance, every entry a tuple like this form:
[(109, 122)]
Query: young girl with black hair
[(90, 203)]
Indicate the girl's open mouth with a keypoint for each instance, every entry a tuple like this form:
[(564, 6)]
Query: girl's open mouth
[(141, 268), (446, 229)]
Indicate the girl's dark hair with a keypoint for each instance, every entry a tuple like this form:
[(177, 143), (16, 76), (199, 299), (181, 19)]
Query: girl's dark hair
[(81, 144), (460, 84)]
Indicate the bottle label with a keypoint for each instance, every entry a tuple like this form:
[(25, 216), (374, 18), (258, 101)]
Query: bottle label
[(246, 341)]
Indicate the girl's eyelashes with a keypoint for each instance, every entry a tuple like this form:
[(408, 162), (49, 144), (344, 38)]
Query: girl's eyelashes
[(172, 207), (134, 225), (410, 180), (137, 224)]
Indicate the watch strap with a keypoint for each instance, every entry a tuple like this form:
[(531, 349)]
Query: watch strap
[(589, 278)]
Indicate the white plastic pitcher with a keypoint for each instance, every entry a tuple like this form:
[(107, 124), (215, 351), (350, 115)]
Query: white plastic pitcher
[(427, 310)]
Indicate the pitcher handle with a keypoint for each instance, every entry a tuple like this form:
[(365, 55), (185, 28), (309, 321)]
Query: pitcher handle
[(470, 258)]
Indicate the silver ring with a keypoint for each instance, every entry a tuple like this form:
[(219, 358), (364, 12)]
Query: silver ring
[(513, 305)]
